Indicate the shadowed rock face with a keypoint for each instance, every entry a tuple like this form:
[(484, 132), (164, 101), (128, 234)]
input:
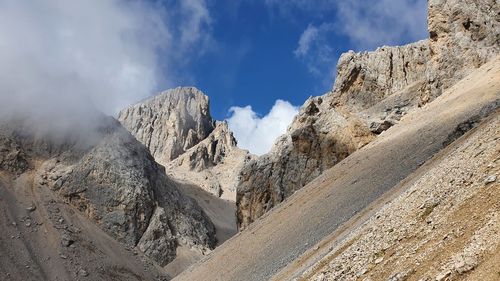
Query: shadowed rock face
[(117, 184), (372, 91)]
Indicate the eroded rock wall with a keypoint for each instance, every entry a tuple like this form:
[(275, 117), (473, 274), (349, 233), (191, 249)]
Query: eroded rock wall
[(464, 34), (331, 127), (169, 123), (213, 164)]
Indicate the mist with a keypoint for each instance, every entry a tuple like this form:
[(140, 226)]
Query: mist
[(62, 62)]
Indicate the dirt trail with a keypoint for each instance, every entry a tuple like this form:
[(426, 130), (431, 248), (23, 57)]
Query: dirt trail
[(43, 238), (324, 205)]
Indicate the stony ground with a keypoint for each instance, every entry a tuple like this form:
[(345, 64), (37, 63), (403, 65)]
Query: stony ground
[(445, 226), (44, 238)]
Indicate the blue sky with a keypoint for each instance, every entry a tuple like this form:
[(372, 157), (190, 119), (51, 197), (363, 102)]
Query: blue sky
[(257, 60), (252, 58)]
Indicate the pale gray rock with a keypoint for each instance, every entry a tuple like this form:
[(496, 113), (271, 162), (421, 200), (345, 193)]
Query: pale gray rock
[(177, 128), (364, 79), (464, 34), (372, 91), (169, 123), (213, 164)]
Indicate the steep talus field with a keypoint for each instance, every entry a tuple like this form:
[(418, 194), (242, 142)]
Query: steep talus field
[(444, 225), (313, 213)]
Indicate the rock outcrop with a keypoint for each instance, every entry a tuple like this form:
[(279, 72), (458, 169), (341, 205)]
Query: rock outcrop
[(169, 123), (177, 128), (116, 183), (364, 79), (213, 164), (464, 34), (372, 91)]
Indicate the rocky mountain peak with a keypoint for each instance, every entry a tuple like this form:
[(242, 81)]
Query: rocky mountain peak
[(177, 128), (170, 123), (213, 164)]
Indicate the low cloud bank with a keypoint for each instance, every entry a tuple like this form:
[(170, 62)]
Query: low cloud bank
[(63, 61)]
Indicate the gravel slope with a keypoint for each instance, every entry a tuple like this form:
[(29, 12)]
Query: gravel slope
[(445, 223), (33, 245), (325, 204)]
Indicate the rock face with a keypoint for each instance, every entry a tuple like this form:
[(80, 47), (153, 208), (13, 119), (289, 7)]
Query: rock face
[(177, 128), (170, 123), (372, 91), (364, 79), (464, 34), (213, 164), (117, 184)]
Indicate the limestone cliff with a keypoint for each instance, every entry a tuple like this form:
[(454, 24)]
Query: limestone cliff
[(169, 123), (464, 34), (371, 93), (213, 164)]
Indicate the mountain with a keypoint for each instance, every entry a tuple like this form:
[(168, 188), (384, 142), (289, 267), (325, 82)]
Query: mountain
[(372, 180), (372, 91), (83, 195), (392, 175), (200, 154), (178, 130), (318, 223)]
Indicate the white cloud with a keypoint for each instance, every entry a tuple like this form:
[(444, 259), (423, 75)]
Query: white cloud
[(196, 22), (315, 50), (305, 41), (63, 58), (258, 134), (370, 24)]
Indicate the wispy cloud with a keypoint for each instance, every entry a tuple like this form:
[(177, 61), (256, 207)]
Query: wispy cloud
[(365, 24), (370, 24), (306, 39), (256, 133), (315, 50)]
